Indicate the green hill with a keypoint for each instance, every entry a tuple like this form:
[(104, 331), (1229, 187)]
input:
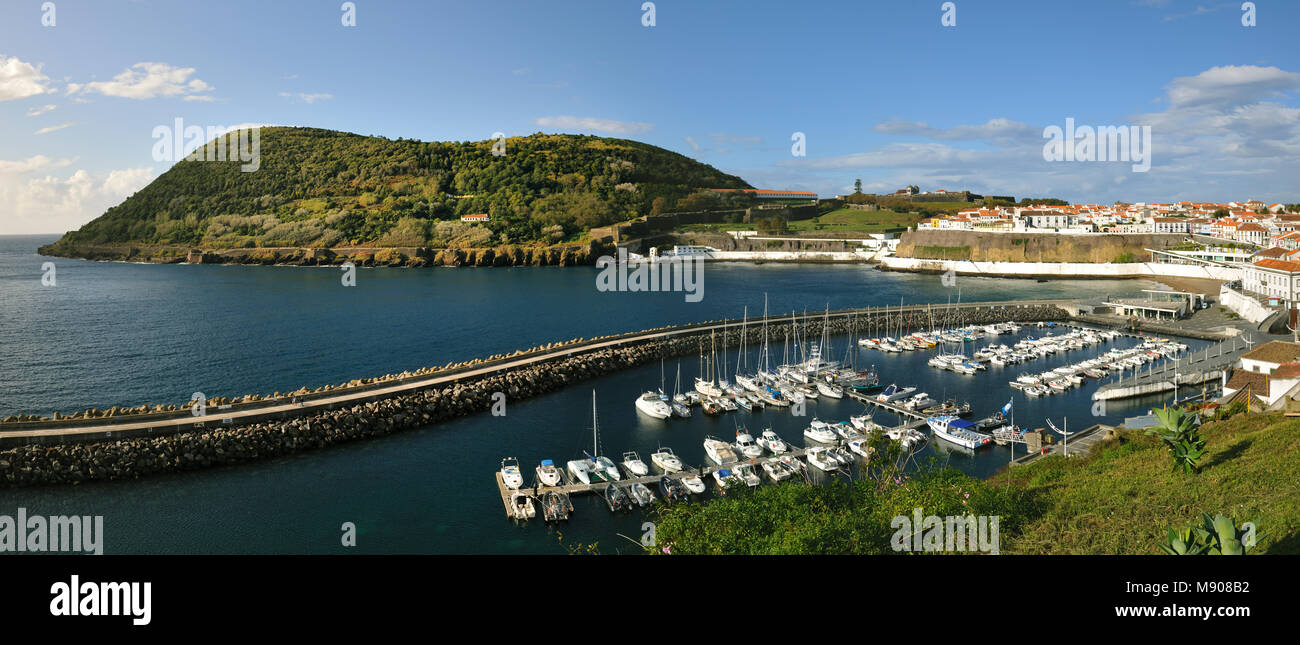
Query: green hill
[(321, 188)]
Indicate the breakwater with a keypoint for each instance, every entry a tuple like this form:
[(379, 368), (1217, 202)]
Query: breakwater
[(117, 451)]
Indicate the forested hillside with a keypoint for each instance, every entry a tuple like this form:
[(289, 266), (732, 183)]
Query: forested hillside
[(322, 188)]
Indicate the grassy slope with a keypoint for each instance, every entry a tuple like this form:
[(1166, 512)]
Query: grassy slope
[(1124, 497)]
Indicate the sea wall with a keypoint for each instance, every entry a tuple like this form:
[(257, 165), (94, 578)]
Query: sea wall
[(1061, 269), (61, 463), (1245, 306), (942, 244)]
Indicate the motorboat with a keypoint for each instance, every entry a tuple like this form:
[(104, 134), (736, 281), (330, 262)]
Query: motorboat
[(718, 451), (841, 456), (743, 402), (556, 506), (672, 490), (893, 392), (724, 477), (820, 432), (666, 460), (521, 506), (510, 475), (864, 424), (861, 447), (693, 483), (777, 471), (772, 442), (821, 459), (711, 405), (746, 445), (958, 431), (793, 463), (548, 474), (632, 462), (845, 430), (748, 474), (652, 404), (641, 494)]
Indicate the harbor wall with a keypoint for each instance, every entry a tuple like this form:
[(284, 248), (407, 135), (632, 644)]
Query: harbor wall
[(1243, 305), (54, 459), (1061, 269)]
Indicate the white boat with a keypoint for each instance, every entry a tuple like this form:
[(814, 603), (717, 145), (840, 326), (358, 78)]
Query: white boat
[(793, 463), (548, 474), (864, 424), (510, 474), (777, 471), (861, 447), (820, 432), (893, 393), (652, 404), (958, 431), (772, 442), (748, 474), (718, 451), (665, 459), (723, 477), (693, 483), (632, 462), (594, 469), (522, 507), (830, 390), (821, 459), (746, 445)]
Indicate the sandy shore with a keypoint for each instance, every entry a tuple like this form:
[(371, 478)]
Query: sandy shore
[(1196, 285)]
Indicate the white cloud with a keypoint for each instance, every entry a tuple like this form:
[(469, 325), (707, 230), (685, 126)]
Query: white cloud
[(147, 81), (55, 128), (695, 145), (307, 98), (37, 111), (593, 125), (19, 80), (1230, 86), (48, 204)]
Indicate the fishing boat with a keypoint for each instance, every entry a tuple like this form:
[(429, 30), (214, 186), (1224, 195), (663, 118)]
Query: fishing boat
[(632, 462), (821, 459), (666, 460), (510, 475), (820, 432), (641, 494), (861, 447), (772, 442), (672, 490), (617, 498), (746, 445), (693, 483), (718, 451), (548, 474), (776, 471), (957, 430), (521, 506), (748, 474)]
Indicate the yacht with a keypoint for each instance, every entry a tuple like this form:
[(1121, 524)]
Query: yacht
[(893, 393), (594, 469), (632, 462), (510, 474), (681, 409), (772, 442), (958, 431), (548, 474), (746, 446), (666, 460), (830, 390), (820, 432), (652, 404), (724, 477), (777, 471), (861, 447), (719, 451), (864, 424)]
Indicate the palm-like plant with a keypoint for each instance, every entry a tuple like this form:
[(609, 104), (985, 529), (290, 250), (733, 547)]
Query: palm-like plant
[(1178, 431), (1217, 535)]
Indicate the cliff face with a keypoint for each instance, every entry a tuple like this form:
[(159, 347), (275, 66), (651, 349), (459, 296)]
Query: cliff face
[(1031, 247), (500, 255)]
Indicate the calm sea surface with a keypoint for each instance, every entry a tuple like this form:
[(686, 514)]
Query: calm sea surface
[(124, 334)]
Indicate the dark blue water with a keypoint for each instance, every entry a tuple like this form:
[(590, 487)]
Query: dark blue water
[(124, 334)]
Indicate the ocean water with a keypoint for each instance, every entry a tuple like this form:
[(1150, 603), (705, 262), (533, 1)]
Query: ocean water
[(124, 334)]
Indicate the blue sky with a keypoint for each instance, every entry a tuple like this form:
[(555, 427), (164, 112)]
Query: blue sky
[(881, 90)]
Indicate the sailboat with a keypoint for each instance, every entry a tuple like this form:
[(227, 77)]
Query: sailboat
[(680, 404), (594, 468), (707, 386), (747, 381)]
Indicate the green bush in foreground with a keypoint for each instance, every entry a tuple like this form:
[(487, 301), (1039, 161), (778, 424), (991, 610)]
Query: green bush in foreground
[(1217, 535), (1178, 431)]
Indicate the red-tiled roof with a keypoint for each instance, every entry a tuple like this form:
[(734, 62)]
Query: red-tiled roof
[(1278, 265)]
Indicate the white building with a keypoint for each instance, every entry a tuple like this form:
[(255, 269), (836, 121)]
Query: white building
[(1279, 280)]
